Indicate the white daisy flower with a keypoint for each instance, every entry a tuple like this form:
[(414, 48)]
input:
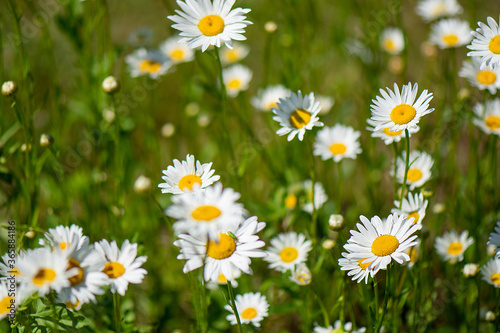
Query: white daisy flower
[(338, 328), (63, 238), (451, 246), (470, 270), (8, 263), (379, 242), (488, 116), (494, 239), (320, 196), (122, 266), (230, 56), (326, 103), (8, 301), (413, 207), (301, 275), (186, 176), (356, 268), (337, 142), (491, 272), (288, 250), (203, 23), (251, 307), (487, 78), (419, 171), (231, 253), (268, 98), (413, 253), (176, 50), (221, 280), (62, 298), (400, 111), (144, 62), (296, 114), (206, 212), (387, 135), (392, 41), (448, 33), (236, 79), (430, 10), (486, 43)]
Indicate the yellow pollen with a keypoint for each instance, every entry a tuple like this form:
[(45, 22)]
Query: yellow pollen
[(392, 133), (211, 25), (64, 245), (78, 277), (177, 54), (402, 114), (205, 213), (289, 254), (495, 278), (113, 269), (234, 84), (450, 40), (222, 249), (389, 45), (455, 248), (222, 278), (415, 216), (44, 275), (338, 148), (493, 122), (495, 44), (4, 305), (291, 201), (249, 313), (149, 66), (188, 181), (385, 245), (363, 266), (486, 77), (413, 175), (300, 118)]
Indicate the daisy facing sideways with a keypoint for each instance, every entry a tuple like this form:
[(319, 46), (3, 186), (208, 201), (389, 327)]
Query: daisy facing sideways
[(387, 135), (431, 10), (268, 98), (337, 142), (413, 207), (494, 239), (230, 56), (451, 246), (236, 79), (176, 50), (145, 62), (488, 116), (392, 41), (487, 78), (491, 272), (419, 171), (320, 196), (288, 250), (356, 268), (338, 328), (252, 308), (450, 33), (486, 43)]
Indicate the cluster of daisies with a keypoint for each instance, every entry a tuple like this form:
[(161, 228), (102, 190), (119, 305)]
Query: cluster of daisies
[(70, 266)]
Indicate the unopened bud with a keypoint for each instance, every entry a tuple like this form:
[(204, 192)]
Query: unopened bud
[(142, 184), (9, 88), (470, 270), (336, 222), (168, 130), (271, 27), (30, 234), (46, 140), (110, 85), (490, 316), (301, 275), (328, 244)]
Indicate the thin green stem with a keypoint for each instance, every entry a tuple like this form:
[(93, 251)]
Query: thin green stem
[(394, 168), (116, 306), (312, 174), (233, 305), (407, 165), (386, 300), (340, 185)]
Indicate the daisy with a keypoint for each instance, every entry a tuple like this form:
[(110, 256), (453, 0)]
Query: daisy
[(230, 56), (387, 135), (230, 254), (63, 238), (8, 302), (206, 212), (338, 328), (320, 196), (72, 306), (251, 307), (122, 266), (419, 171), (326, 103), (268, 98), (451, 246), (494, 239), (144, 62), (301, 275), (486, 43), (487, 78), (221, 280), (488, 116), (176, 50), (296, 114), (356, 268), (8, 263), (413, 207), (400, 111), (392, 41), (337, 142), (413, 253), (430, 10), (450, 33), (236, 79), (288, 250), (491, 272), (187, 176), (379, 242), (203, 23)]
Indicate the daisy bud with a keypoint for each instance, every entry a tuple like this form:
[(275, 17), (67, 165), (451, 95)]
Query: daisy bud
[(30, 234), (204, 120), (470, 270), (142, 184), (490, 316), (168, 130), (491, 250), (336, 222), (9, 88), (271, 27), (438, 208), (192, 109), (427, 193), (46, 140), (463, 93), (25, 147), (328, 244), (108, 115), (301, 275), (110, 85)]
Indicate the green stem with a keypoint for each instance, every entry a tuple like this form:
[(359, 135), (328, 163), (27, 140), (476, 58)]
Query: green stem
[(340, 183), (116, 306), (395, 166), (322, 306), (312, 174), (233, 305), (386, 300), (407, 165)]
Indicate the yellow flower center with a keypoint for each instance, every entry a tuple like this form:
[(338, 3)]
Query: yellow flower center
[(392, 133), (384, 245), (222, 278), (188, 181), (211, 25), (177, 54), (222, 249), (234, 84), (15, 272), (363, 266), (72, 306), (389, 45), (44, 275), (413, 255), (338, 148), (4, 305), (414, 175), (455, 248), (493, 122), (486, 77), (78, 277), (272, 105), (299, 118), (439, 9), (495, 278), (232, 55), (415, 216), (149, 66), (289, 254), (249, 313), (113, 269), (291, 201), (205, 213), (403, 114), (495, 44), (450, 40), (64, 245)]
